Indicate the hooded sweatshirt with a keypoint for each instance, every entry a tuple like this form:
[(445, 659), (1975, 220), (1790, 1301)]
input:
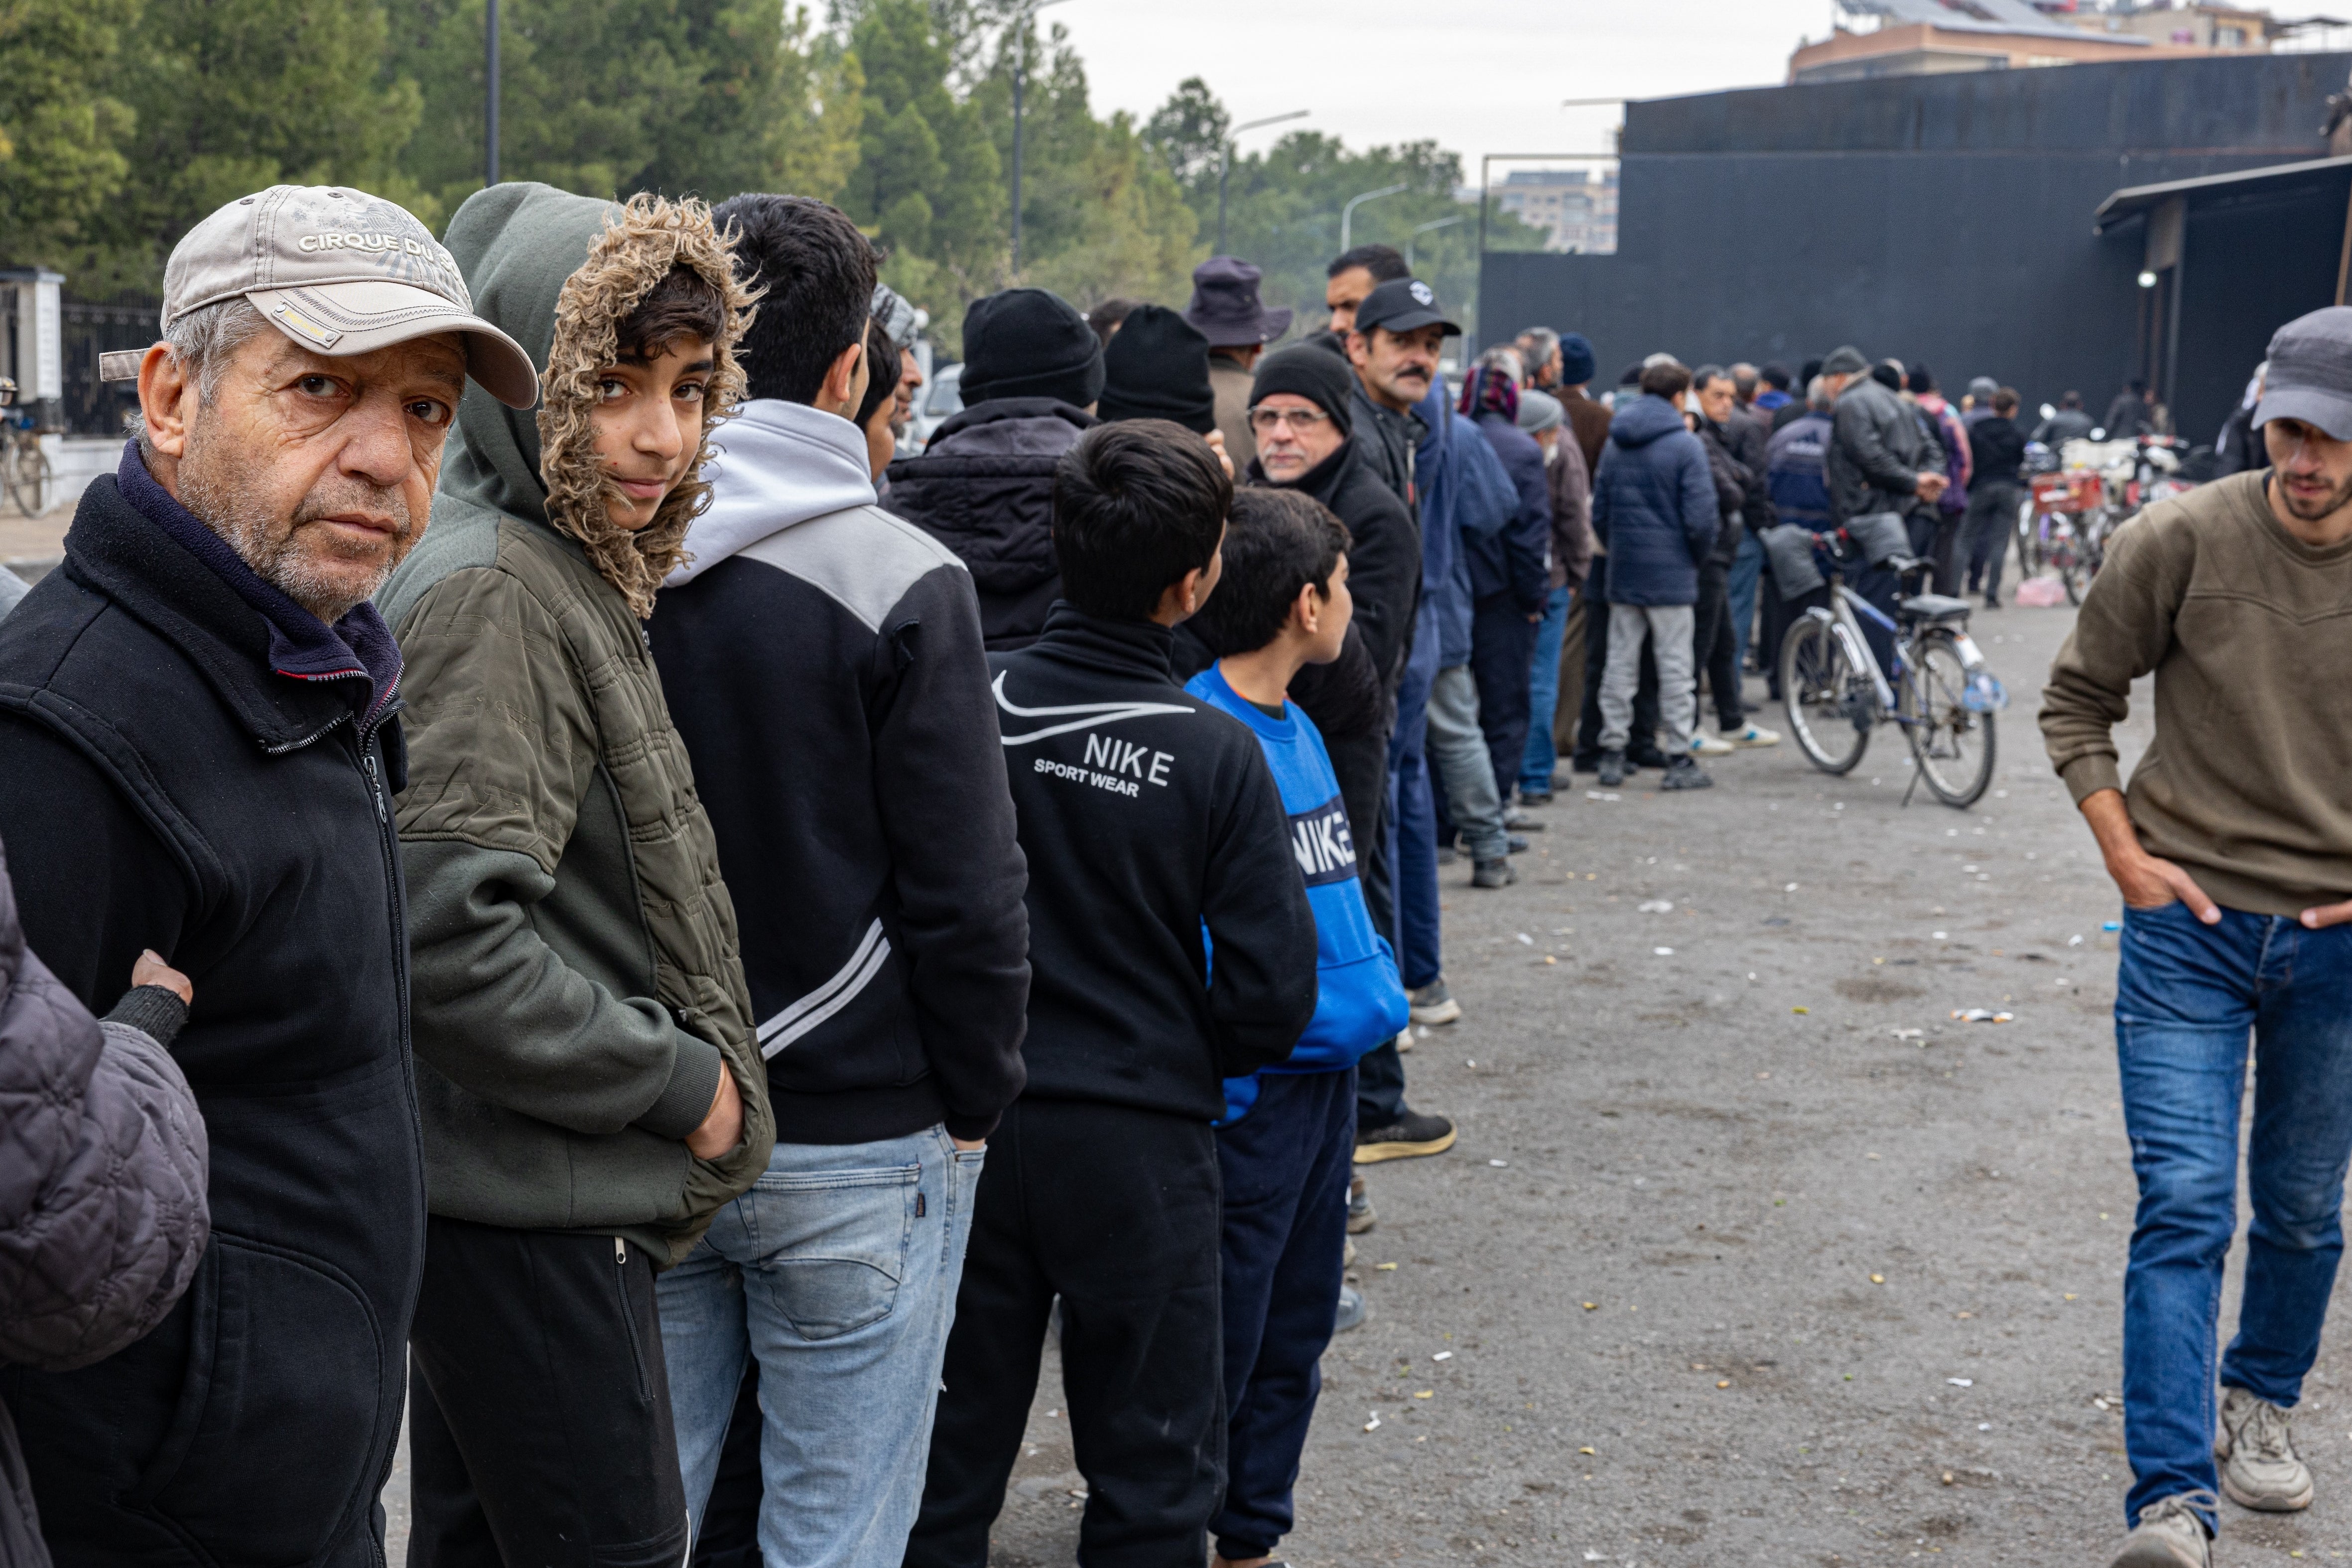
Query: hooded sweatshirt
[(577, 987), (853, 771), (1654, 507)]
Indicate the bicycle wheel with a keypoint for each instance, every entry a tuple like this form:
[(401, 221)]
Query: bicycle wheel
[(2066, 556), (31, 482), (2029, 538), (1821, 691), (1952, 744)]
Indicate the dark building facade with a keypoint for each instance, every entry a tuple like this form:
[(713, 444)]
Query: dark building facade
[(1951, 220)]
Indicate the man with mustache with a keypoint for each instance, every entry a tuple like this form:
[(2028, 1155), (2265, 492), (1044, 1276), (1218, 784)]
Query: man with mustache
[(199, 746), (2231, 848)]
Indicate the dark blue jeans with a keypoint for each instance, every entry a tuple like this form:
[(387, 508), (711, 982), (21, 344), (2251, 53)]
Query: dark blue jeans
[(1285, 1168), (1411, 828), (2186, 995)]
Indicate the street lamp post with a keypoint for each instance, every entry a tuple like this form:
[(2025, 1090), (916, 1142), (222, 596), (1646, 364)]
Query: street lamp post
[(1225, 163), (1424, 228), (1025, 23), (490, 100), (1348, 213)]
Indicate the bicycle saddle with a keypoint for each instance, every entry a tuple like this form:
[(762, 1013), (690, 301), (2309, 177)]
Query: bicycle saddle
[(1932, 608)]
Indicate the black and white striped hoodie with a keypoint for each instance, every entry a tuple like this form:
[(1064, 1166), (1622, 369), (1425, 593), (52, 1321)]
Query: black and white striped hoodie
[(823, 659)]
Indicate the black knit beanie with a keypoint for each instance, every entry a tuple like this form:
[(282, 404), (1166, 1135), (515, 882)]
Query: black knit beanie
[(1028, 343), (1310, 373), (1156, 366)]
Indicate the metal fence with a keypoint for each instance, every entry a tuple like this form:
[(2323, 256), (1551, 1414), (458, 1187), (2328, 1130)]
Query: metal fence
[(92, 327)]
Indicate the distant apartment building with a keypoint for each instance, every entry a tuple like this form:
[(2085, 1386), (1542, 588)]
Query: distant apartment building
[(1930, 37), (1576, 208)]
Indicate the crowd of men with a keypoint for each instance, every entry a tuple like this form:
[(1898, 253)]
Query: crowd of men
[(675, 977)]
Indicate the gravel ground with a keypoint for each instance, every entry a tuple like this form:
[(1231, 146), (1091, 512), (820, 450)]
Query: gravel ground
[(1748, 1252), (1716, 1241)]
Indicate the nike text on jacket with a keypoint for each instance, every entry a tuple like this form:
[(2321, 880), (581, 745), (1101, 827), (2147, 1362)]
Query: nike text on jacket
[(1153, 829)]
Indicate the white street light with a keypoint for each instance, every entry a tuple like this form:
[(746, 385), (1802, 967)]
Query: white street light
[(1348, 213), (1225, 163)]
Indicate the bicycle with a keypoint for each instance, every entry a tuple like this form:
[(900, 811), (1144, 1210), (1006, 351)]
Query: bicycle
[(25, 470), (1940, 693)]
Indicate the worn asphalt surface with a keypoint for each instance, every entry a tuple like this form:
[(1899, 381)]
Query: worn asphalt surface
[(1748, 1252)]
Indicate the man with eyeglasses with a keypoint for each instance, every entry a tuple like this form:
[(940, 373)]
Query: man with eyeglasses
[(1302, 416), (2232, 849)]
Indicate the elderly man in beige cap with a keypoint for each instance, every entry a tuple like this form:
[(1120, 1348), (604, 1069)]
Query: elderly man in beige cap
[(199, 743)]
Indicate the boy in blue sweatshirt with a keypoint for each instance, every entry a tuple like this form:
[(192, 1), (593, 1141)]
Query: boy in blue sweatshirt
[(1287, 1139)]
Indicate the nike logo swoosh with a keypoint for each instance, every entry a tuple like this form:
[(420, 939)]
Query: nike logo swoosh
[(1090, 714)]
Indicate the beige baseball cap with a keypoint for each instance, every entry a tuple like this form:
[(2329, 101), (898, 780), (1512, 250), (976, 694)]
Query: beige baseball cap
[(340, 272)]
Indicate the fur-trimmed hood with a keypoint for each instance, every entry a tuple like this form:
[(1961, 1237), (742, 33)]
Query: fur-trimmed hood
[(558, 273)]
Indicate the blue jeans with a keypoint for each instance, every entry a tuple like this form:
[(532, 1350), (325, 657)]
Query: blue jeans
[(2186, 996), (838, 1269), (1412, 821), (1543, 693), (1747, 570)]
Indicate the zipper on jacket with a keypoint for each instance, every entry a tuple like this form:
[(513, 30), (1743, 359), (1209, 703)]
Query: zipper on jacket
[(396, 911)]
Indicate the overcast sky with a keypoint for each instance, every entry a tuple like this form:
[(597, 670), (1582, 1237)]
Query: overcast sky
[(1477, 75)]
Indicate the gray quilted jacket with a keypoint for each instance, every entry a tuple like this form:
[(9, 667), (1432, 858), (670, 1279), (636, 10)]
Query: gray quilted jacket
[(102, 1171)]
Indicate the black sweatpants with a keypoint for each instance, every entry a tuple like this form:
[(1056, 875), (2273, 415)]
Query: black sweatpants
[(1502, 654), (1714, 648), (1287, 1165), (1587, 755), (539, 1421), (1118, 1212)]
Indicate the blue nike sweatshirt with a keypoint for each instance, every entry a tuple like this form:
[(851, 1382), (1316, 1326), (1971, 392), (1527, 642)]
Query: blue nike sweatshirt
[(1360, 999)]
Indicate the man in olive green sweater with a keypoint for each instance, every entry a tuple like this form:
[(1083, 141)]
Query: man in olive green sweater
[(2232, 849)]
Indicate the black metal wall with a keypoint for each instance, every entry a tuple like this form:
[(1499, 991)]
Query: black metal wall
[(1947, 220)]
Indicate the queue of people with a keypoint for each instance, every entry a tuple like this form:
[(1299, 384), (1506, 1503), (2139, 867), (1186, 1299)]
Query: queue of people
[(614, 918), (562, 1064)]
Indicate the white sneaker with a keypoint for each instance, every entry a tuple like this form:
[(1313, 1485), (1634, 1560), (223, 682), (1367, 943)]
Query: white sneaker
[(2170, 1535), (2259, 1467), (1755, 736), (1708, 746)]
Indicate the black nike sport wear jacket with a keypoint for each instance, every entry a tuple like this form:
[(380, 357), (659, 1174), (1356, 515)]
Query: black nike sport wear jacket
[(1154, 834)]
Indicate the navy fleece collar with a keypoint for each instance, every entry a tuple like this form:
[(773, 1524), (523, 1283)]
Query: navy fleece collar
[(302, 647)]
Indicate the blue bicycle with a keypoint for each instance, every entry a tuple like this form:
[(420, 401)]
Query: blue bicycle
[(1939, 692)]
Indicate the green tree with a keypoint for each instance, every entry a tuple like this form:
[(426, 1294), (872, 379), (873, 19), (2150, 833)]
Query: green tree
[(1284, 204), (61, 132), (607, 97), (1101, 215), (234, 95), (929, 181)]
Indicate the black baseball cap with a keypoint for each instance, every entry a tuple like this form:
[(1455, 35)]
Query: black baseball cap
[(2310, 375), (1403, 305)]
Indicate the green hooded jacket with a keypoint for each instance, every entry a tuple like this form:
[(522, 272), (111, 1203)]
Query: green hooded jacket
[(575, 976)]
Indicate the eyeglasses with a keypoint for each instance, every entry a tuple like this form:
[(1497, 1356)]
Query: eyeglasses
[(1303, 420)]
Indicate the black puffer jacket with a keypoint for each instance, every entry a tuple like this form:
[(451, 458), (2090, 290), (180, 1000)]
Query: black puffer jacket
[(984, 488), (102, 1166)]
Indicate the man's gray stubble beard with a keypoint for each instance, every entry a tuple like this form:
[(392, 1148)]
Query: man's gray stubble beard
[(226, 505)]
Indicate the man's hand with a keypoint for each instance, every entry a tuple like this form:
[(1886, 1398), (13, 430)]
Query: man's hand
[(2326, 915), (967, 1145), (2146, 881), (149, 969), (723, 1128), (1931, 487)]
